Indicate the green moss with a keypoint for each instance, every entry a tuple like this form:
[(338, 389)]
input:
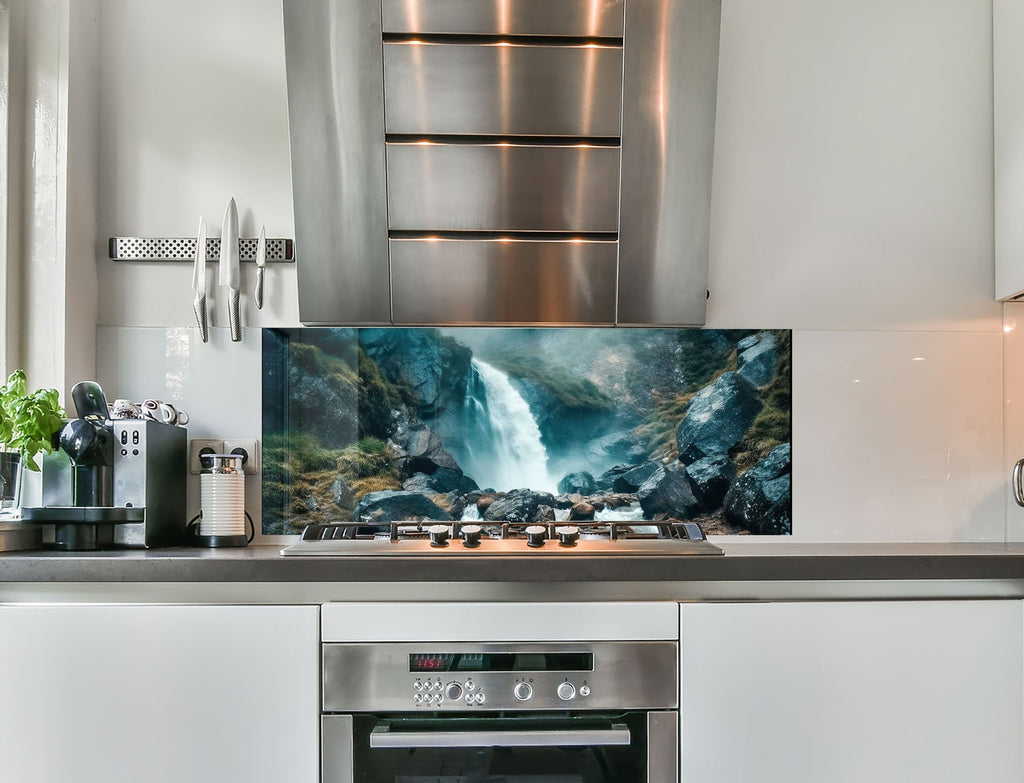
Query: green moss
[(377, 398), (659, 431), (773, 424), (306, 357), (570, 390)]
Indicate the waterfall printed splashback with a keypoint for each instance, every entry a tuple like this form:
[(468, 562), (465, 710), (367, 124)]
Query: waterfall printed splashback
[(390, 424)]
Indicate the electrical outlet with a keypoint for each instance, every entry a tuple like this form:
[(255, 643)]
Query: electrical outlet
[(199, 446), (249, 449)]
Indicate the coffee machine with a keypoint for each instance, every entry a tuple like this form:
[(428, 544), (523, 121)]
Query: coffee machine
[(117, 482)]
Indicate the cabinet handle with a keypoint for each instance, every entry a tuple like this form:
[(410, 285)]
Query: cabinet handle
[(1018, 486), (382, 737)]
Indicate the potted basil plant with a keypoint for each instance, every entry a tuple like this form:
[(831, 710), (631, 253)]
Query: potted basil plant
[(28, 423)]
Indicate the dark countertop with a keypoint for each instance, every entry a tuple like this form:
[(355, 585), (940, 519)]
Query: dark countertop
[(743, 562)]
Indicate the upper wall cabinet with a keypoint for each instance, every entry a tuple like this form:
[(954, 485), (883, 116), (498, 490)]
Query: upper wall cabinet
[(502, 161), (1008, 103)]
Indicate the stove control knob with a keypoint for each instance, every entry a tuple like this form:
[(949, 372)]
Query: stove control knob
[(522, 691), (568, 535), (471, 535), (453, 692), (438, 535), (535, 535), (566, 691)]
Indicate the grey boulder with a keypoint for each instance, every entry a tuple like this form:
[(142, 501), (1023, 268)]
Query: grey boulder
[(442, 480), (581, 483), (633, 479), (393, 506), (342, 493), (418, 449), (668, 492), (717, 418), (756, 358), (761, 500), (710, 479), (518, 505)]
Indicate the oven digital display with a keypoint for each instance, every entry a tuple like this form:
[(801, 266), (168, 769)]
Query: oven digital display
[(502, 662)]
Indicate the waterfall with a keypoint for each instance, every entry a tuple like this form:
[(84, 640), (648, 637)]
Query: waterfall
[(502, 448)]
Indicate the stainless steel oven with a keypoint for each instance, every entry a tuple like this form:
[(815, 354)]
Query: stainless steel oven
[(518, 712)]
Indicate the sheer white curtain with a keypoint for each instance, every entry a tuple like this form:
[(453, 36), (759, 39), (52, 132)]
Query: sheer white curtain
[(5, 191), (48, 146)]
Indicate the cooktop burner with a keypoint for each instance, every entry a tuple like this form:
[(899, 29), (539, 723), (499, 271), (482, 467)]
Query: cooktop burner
[(503, 538)]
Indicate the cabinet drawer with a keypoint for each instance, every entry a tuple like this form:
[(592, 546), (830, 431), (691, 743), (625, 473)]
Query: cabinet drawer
[(503, 281), (502, 187), (502, 89)]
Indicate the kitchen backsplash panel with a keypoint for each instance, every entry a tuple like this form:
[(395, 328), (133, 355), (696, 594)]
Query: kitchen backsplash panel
[(524, 424)]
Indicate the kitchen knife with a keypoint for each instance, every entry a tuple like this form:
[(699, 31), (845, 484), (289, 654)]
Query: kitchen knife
[(229, 274), (261, 262), (199, 281)]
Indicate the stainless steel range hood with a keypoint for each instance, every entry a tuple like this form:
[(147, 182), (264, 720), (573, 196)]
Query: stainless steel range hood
[(502, 161)]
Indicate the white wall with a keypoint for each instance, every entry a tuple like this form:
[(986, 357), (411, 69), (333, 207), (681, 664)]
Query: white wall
[(194, 112), (852, 203)]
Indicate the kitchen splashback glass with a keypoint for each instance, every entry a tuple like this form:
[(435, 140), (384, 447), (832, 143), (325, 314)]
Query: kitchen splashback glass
[(390, 424)]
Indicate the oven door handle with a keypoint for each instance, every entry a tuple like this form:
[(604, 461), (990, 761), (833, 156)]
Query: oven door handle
[(383, 737)]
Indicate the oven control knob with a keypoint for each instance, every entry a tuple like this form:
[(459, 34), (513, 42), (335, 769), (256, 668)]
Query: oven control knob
[(453, 692), (584, 690), (535, 535), (471, 535), (566, 691), (568, 535), (522, 691), (438, 535)]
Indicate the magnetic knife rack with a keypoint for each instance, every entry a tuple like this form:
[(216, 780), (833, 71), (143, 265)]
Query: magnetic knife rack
[(279, 251)]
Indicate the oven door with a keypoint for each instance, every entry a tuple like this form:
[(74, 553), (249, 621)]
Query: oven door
[(630, 747)]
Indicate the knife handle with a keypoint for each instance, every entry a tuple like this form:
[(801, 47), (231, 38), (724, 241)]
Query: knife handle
[(258, 295), (199, 306), (234, 317)]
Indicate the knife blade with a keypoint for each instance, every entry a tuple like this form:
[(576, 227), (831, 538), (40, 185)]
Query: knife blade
[(261, 262), (229, 272), (199, 282)]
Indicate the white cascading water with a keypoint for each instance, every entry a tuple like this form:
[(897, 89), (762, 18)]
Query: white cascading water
[(503, 448)]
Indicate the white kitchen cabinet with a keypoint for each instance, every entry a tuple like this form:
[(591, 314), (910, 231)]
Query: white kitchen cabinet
[(161, 694), (1008, 131), (858, 692)]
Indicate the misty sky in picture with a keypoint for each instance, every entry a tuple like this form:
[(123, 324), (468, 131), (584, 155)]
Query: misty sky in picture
[(350, 413)]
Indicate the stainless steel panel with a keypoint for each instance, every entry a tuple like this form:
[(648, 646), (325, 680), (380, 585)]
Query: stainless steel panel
[(502, 89), (383, 737), (502, 187), (663, 747), (336, 126), (494, 281), (670, 71), (666, 548), (376, 677), (597, 18), (336, 749)]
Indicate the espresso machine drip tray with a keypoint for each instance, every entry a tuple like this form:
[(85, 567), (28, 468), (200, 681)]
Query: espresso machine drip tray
[(81, 528), (92, 515)]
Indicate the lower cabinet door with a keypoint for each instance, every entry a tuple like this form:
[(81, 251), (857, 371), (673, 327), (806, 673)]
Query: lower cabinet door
[(852, 692), (161, 694)]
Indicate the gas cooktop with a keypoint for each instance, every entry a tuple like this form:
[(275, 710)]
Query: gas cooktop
[(468, 539)]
